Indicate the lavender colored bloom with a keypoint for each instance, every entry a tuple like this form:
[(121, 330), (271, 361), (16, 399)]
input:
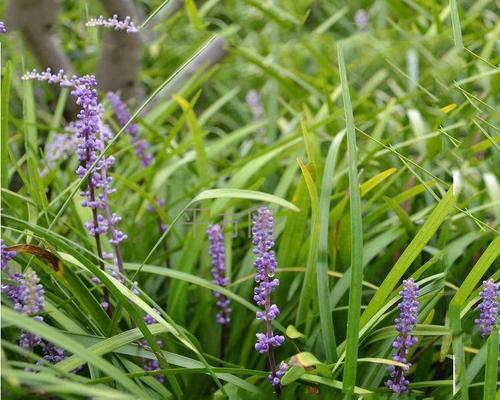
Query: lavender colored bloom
[(361, 19), (59, 149), (3, 29), (159, 202), (488, 307), (25, 292), (153, 365), (276, 380), (123, 116), (29, 340), (254, 102), (149, 319), (217, 253), (6, 255), (265, 265), (52, 353), (408, 311), (126, 25), (92, 136), (135, 288), (27, 295)]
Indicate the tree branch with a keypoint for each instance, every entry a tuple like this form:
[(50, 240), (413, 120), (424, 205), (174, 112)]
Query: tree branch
[(37, 20)]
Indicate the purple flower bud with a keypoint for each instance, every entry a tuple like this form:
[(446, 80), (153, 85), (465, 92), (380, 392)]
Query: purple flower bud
[(3, 29), (276, 380), (217, 254), (6, 255), (135, 288), (408, 312), (52, 353), (149, 319), (28, 340), (361, 19), (488, 307), (115, 23)]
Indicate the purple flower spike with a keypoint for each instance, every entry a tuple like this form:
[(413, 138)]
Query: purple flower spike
[(3, 29), (408, 311), (123, 116), (265, 265), (488, 307), (6, 255), (115, 23), (217, 253), (92, 136), (26, 293)]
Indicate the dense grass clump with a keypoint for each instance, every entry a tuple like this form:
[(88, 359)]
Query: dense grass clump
[(289, 199)]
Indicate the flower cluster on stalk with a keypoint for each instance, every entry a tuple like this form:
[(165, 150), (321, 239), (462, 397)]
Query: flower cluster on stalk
[(265, 266), (217, 254), (123, 116), (92, 135), (126, 25), (405, 322), (28, 297), (488, 307), (3, 29), (59, 149)]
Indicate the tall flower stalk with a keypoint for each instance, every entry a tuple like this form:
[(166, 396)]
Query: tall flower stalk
[(217, 254), (408, 311), (265, 265), (92, 136)]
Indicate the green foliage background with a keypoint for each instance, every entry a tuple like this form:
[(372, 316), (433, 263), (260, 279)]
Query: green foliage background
[(423, 143)]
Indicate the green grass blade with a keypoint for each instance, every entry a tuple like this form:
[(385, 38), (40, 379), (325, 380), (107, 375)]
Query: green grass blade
[(31, 145), (325, 315), (350, 366), (60, 339), (491, 372), (307, 291), (244, 194), (455, 22), (4, 121)]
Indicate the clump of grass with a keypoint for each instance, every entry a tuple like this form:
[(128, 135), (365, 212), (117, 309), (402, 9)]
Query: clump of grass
[(369, 133)]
